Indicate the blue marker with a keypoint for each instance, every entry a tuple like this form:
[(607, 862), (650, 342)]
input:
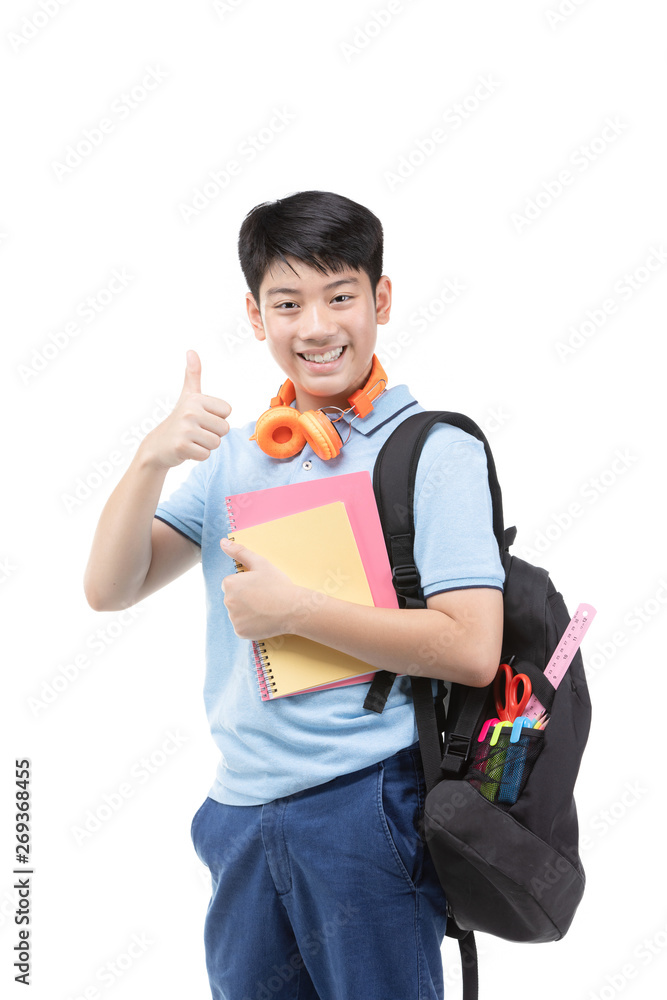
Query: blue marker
[(515, 761)]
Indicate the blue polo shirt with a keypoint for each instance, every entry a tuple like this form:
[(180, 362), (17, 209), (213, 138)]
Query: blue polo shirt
[(269, 749)]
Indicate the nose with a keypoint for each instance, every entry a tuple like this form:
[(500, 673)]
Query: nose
[(318, 323)]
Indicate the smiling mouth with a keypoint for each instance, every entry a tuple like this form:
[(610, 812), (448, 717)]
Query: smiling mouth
[(331, 355)]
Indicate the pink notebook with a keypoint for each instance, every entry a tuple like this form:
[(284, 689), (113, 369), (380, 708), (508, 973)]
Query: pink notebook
[(355, 489)]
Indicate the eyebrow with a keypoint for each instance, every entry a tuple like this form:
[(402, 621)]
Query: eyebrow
[(295, 291)]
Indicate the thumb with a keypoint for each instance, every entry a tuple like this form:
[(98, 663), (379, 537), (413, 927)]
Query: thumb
[(192, 381), (248, 558)]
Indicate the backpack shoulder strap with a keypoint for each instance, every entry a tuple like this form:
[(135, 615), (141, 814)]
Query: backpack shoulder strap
[(395, 473), (394, 477), (469, 967)]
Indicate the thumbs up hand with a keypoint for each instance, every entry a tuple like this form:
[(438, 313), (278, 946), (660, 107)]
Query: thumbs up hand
[(195, 426), (262, 600)]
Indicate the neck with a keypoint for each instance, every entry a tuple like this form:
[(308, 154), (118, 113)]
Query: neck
[(359, 396), (306, 401)]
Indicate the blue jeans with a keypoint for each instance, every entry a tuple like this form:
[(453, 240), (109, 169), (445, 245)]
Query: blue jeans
[(327, 894)]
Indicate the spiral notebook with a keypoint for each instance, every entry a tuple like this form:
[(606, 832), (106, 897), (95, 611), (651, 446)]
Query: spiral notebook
[(355, 489), (348, 528)]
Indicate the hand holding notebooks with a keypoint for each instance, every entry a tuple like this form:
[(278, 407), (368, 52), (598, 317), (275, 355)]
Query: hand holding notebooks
[(317, 549)]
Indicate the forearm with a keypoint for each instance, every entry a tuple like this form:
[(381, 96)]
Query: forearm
[(121, 551), (423, 642)]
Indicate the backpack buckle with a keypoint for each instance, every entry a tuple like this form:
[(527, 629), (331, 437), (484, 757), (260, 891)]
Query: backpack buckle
[(405, 577), (458, 751)]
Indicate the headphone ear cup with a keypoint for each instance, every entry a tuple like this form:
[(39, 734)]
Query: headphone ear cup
[(278, 432), (321, 434)]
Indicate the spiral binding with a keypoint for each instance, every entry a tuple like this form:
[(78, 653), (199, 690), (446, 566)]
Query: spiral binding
[(230, 514), (260, 653), (264, 672)]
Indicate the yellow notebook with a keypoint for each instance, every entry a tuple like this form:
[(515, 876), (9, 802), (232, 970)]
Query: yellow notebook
[(315, 548)]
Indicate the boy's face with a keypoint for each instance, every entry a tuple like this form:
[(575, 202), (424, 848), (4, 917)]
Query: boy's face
[(310, 313)]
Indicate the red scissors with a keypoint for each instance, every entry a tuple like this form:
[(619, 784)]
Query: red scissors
[(510, 707)]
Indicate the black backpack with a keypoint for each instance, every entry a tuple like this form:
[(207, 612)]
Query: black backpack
[(513, 871)]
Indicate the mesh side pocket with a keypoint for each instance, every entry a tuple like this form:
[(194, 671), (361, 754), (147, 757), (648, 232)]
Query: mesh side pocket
[(500, 772)]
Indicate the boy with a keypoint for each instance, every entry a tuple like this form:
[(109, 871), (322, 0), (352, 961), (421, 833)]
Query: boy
[(322, 885)]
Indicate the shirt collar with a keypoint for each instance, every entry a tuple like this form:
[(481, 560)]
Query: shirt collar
[(392, 402)]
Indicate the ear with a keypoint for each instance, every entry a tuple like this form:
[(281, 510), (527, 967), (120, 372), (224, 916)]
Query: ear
[(383, 299), (255, 316)]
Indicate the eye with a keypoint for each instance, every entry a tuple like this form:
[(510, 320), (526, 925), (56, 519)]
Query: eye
[(284, 305)]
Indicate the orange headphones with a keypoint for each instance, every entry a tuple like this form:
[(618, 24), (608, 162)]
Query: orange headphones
[(282, 431)]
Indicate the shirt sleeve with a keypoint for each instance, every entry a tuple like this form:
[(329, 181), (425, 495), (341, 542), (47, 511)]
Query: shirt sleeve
[(184, 509), (455, 547)]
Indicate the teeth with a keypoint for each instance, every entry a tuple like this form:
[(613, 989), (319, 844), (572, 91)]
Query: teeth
[(329, 356)]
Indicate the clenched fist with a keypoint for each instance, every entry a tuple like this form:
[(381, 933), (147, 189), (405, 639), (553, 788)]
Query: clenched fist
[(195, 426)]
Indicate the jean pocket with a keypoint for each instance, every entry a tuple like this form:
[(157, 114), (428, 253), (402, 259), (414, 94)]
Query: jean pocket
[(401, 804)]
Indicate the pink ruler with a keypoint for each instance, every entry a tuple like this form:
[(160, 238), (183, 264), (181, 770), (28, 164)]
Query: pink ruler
[(559, 663)]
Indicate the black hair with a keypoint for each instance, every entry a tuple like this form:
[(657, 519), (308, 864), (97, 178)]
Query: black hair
[(322, 229)]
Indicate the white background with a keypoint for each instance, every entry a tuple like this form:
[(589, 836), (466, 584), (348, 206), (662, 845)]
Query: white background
[(361, 96)]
